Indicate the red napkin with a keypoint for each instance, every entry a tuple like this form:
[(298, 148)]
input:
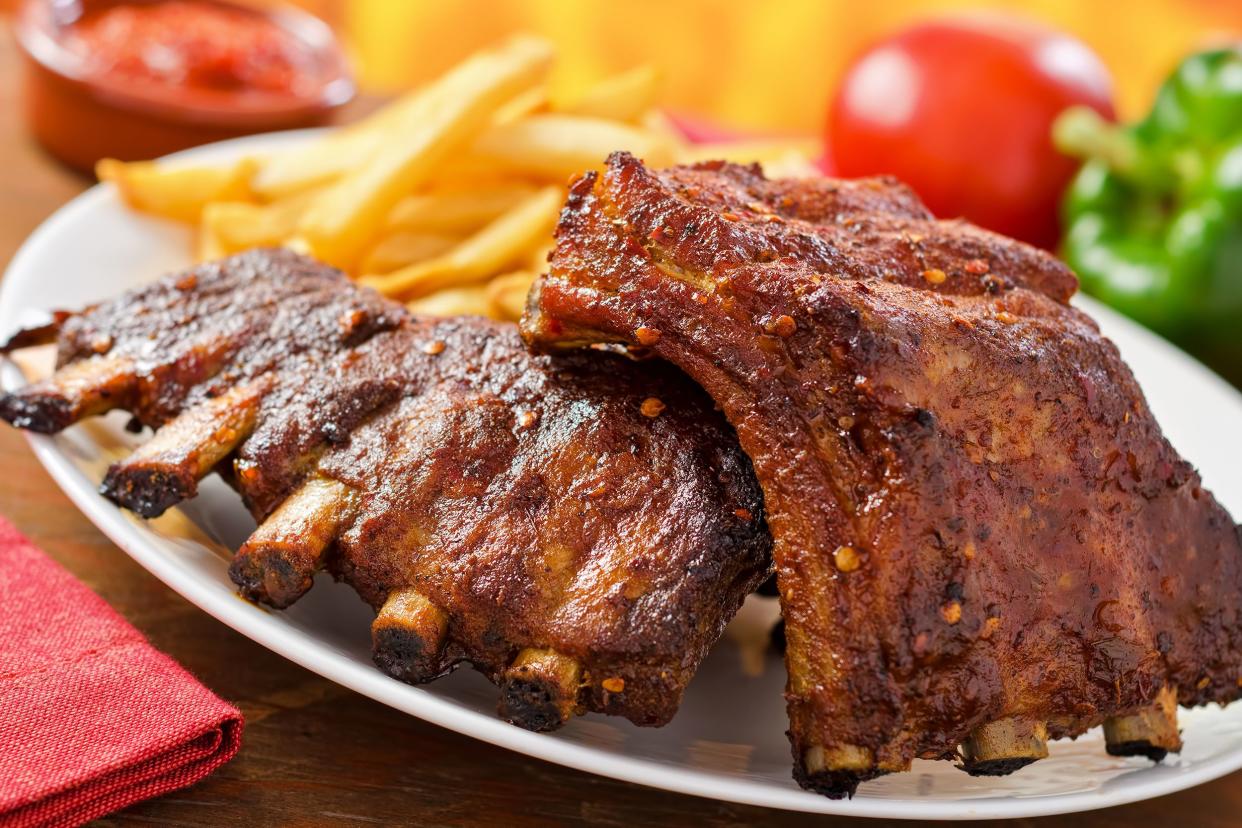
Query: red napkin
[(92, 717)]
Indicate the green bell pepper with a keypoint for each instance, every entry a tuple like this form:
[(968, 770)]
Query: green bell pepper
[(1153, 220)]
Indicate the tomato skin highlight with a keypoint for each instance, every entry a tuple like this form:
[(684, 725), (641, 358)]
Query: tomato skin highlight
[(961, 109)]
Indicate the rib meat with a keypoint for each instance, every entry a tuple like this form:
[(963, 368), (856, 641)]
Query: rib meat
[(534, 516), (982, 539)]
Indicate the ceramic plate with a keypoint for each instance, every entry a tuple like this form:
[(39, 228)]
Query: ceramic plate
[(728, 741)]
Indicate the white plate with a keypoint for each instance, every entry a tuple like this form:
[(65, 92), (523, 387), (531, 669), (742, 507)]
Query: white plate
[(728, 742)]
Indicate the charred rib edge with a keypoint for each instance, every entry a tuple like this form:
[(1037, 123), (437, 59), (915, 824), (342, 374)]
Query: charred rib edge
[(166, 469), (539, 690), (1151, 732), (277, 564), (408, 636), (836, 771), (1001, 747), (77, 391)]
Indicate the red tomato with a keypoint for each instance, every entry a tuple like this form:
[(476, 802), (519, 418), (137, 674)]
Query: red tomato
[(961, 109)]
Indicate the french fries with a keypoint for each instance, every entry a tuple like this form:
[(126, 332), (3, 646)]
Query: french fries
[(341, 221), (445, 198), (456, 211), (780, 158), (319, 163), (625, 97), (207, 247), (406, 247), (241, 225), (504, 297), (506, 294), (554, 146), (324, 161), (498, 244), (470, 300), (178, 192)]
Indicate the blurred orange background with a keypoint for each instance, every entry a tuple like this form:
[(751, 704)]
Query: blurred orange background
[(758, 65)]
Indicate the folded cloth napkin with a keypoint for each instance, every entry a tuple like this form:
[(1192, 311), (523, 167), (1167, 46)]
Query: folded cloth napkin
[(92, 717)]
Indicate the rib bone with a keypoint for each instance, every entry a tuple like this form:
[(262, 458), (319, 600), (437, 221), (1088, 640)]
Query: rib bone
[(166, 469), (540, 689), (1001, 747), (45, 334), (837, 770), (408, 635), (438, 468), (1151, 732), (75, 392), (277, 564)]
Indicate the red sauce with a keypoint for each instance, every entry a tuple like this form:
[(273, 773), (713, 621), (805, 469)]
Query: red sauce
[(184, 45)]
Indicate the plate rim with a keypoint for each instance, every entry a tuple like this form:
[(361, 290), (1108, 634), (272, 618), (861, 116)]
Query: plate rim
[(254, 623)]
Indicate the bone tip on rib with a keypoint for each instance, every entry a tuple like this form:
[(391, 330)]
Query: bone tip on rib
[(530, 705), (148, 492), (832, 784), (540, 690), (998, 767), (835, 772), (408, 637), (1151, 732), (1006, 745), (405, 655), (269, 579), (11, 411), (247, 576), (43, 332), (1145, 748), (40, 414)]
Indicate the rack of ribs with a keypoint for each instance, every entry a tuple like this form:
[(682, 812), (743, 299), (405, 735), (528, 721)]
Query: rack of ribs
[(579, 529), (982, 539)]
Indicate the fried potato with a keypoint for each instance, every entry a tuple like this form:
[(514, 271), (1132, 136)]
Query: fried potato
[(298, 245), (530, 101), (447, 196), (325, 160), (240, 225), (778, 157), (501, 243), (624, 97), (470, 300), (554, 146), (207, 246), (174, 191), (464, 169), (458, 211), (657, 123), (537, 259), (793, 164), (406, 247), (345, 217), (506, 294)]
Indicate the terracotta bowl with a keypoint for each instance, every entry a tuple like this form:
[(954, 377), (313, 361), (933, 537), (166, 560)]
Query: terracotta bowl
[(80, 117)]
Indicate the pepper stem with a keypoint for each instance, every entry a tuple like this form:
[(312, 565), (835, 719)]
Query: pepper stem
[(1081, 132)]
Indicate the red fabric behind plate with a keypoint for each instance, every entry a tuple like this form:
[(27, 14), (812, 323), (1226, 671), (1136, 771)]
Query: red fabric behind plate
[(92, 717)]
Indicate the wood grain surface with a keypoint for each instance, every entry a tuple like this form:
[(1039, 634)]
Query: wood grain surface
[(315, 753)]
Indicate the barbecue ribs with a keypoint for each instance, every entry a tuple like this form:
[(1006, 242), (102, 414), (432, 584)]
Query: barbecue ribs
[(538, 517), (982, 539)]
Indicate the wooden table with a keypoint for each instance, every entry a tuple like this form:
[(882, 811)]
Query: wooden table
[(315, 753)]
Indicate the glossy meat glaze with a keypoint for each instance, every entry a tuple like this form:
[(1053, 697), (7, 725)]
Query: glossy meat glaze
[(522, 513), (982, 539)]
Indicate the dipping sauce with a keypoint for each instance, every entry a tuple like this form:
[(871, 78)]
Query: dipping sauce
[(195, 46), (130, 79)]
